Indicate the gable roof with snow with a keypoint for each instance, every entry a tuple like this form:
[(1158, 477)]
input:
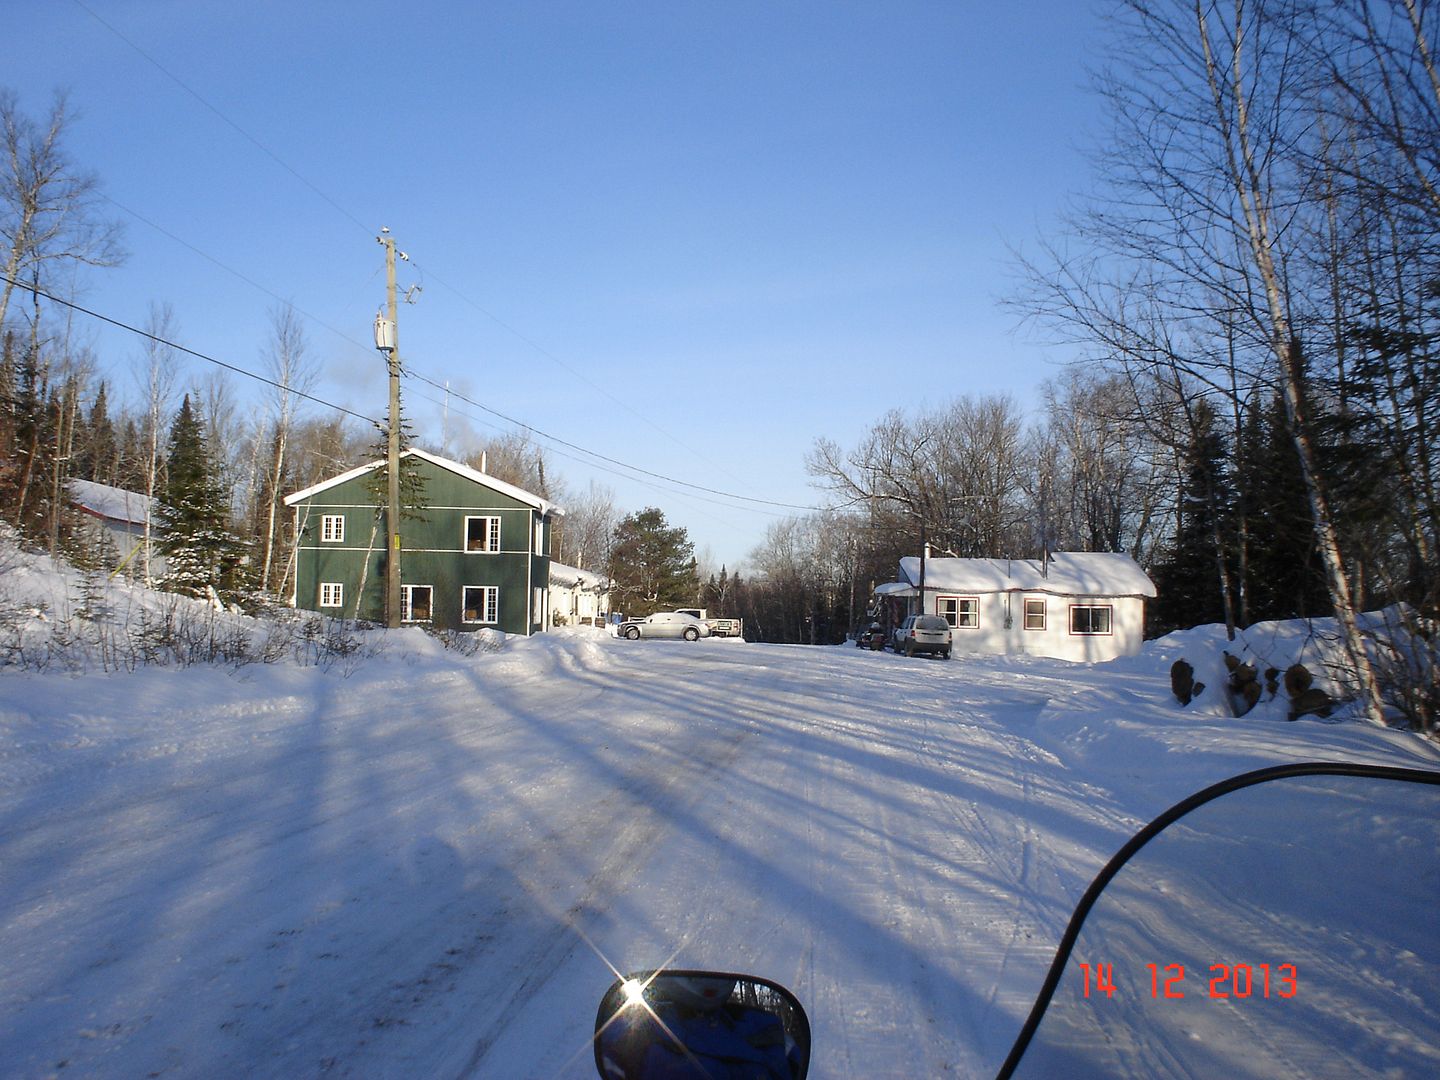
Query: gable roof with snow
[(545, 506), (1065, 573), (112, 503)]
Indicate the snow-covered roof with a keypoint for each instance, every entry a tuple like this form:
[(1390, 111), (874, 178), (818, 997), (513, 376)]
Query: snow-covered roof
[(112, 503), (545, 506), (1066, 573), (895, 588), (573, 576)]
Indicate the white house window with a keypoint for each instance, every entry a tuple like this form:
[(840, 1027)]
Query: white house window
[(415, 603), (332, 528), (1035, 614), (482, 604), (332, 594), (539, 536), (1091, 619), (961, 612), (482, 534)]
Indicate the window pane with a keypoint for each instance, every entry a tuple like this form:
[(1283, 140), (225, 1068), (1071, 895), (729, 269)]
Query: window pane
[(1090, 620), (482, 534), (1034, 614), (415, 603), (482, 604)]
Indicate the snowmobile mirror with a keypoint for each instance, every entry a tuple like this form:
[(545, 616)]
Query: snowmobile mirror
[(703, 1024)]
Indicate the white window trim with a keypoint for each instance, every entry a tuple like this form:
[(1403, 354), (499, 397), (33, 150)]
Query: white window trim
[(974, 601), (1110, 621), (1044, 614), (491, 540), (489, 607), (332, 528), (407, 593), (332, 594)]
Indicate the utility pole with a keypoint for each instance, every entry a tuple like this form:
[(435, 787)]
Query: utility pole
[(387, 340)]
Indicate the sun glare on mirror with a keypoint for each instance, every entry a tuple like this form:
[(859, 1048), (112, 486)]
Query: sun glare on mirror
[(634, 991)]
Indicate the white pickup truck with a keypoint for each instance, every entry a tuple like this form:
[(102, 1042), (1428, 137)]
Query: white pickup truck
[(718, 627)]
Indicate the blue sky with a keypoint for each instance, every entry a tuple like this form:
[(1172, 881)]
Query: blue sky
[(693, 237)]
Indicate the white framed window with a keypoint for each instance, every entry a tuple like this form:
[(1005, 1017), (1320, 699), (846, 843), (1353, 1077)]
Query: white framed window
[(332, 594), (961, 612), (482, 533), (539, 536), (332, 528), (415, 603), (1092, 619), (1035, 613), (481, 604)]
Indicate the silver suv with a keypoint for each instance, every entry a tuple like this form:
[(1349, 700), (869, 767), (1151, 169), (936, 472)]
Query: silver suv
[(922, 634)]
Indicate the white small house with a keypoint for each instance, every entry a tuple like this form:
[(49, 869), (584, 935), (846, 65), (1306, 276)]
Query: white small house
[(1084, 606), (577, 597)]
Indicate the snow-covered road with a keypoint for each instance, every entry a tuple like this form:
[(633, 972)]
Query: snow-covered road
[(431, 867)]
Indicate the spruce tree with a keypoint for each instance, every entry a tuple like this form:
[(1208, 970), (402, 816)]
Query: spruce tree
[(202, 555), (1286, 578), (1192, 583), (97, 457), (412, 480)]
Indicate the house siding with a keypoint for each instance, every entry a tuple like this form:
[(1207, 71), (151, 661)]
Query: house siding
[(433, 550), (1002, 627)]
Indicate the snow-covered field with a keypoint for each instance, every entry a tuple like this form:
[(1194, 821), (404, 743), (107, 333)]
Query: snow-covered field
[(426, 864)]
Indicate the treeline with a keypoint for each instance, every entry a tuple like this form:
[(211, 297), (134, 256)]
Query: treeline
[(1254, 283), (1260, 258), (213, 469)]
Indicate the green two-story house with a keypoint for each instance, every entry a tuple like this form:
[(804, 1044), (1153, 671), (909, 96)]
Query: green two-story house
[(480, 558)]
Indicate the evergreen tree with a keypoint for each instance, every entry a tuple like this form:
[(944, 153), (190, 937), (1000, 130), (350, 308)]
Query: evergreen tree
[(1285, 577), (201, 553), (652, 564), (33, 447), (10, 456), (98, 453), (412, 480), (1192, 584)]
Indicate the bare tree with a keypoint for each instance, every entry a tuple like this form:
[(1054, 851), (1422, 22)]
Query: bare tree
[(293, 373), (954, 475), (517, 459), (157, 371), (588, 528), (48, 208), (1198, 241)]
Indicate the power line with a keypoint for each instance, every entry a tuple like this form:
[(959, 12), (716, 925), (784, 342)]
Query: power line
[(257, 286), (591, 456), (225, 119), (547, 354), (37, 291), (614, 471), (602, 457), (335, 204)]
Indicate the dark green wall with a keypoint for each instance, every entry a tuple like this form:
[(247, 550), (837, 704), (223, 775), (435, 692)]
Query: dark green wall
[(432, 551)]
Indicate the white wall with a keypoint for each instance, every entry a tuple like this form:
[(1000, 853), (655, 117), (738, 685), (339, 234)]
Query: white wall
[(993, 636)]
